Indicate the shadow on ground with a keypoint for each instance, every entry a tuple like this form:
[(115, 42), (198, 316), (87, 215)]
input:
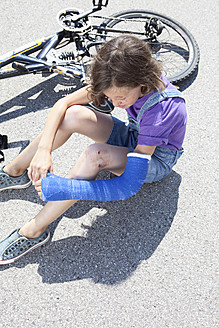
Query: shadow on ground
[(42, 96), (45, 95), (116, 243)]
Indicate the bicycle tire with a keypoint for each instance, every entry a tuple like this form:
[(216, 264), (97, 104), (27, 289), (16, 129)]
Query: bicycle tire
[(186, 51)]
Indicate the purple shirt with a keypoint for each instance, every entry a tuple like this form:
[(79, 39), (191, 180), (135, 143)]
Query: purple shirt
[(163, 124)]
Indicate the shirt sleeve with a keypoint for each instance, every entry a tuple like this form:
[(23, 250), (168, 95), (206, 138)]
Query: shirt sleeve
[(153, 135), (163, 124)]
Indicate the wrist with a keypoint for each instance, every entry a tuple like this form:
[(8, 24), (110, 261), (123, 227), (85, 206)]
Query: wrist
[(44, 148)]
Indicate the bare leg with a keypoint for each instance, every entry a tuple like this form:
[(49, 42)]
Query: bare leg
[(78, 119), (96, 158)]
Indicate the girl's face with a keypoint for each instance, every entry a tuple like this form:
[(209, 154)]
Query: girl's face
[(123, 97)]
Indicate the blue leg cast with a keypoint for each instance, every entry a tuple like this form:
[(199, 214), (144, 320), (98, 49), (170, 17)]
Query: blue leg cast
[(55, 188)]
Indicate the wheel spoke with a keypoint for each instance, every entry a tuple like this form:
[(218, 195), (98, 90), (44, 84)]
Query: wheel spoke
[(173, 45)]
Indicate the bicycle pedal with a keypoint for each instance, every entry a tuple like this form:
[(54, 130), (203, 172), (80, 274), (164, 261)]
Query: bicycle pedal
[(74, 71)]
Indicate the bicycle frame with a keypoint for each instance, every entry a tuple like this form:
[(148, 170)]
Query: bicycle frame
[(46, 44), (20, 55), (77, 30)]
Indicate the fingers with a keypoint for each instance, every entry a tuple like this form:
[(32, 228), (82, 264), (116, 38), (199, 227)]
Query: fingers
[(36, 174), (51, 169), (38, 187), (40, 165), (39, 170)]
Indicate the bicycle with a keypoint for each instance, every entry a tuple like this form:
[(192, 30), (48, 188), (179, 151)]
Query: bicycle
[(169, 41)]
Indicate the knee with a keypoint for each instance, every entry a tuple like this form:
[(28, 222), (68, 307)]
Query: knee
[(73, 118), (97, 156)]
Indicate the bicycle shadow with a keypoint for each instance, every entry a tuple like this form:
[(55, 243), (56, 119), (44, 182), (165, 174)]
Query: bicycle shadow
[(45, 95), (116, 243), (42, 96)]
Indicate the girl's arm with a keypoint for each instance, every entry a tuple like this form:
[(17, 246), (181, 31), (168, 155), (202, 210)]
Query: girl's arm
[(142, 149), (42, 161), (56, 115)]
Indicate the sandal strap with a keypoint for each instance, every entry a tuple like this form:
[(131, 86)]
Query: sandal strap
[(16, 244)]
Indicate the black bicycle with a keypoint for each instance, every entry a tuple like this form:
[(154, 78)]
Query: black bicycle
[(81, 37)]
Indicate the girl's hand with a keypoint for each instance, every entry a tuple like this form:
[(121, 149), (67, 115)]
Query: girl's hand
[(40, 165), (38, 187)]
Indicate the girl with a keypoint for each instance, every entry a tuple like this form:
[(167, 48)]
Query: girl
[(123, 75)]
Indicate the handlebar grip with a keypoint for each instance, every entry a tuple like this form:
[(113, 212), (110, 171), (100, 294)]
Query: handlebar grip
[(29, 68), (100, 3)]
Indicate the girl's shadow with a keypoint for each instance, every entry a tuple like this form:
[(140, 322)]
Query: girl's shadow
[(115, 243)]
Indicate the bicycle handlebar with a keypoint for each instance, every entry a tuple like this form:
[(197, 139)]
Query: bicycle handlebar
[(97, 6), (100, 3)]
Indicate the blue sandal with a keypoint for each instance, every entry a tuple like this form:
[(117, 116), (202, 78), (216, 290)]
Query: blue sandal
[(16, 245), (8, 182)]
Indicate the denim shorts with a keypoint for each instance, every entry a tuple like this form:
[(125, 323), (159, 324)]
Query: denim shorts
[(163, 159)]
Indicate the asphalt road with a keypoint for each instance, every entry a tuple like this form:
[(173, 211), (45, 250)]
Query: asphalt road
[(148, 262)]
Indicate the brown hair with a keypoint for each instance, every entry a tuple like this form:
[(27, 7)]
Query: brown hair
[(125, 61)]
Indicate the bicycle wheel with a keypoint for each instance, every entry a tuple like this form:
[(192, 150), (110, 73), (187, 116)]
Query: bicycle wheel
[(170, 42)]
